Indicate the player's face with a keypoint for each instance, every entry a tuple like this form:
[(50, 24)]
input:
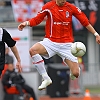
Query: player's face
[(60, 2), (10, 67)]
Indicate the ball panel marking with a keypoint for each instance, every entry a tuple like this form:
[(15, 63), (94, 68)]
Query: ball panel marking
[(78, 49)]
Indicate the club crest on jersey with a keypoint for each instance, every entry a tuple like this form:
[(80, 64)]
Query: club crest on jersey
[(67, 14)]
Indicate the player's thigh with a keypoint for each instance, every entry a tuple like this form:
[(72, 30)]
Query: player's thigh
[(38, 49)]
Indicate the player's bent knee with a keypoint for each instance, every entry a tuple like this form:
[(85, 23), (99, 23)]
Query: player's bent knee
[(31, 51)]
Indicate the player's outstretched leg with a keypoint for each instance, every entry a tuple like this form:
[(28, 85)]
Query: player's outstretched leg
[(39, 65)]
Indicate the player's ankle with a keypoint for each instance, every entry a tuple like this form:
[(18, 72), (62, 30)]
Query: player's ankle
[(76, 73), (45, 76)]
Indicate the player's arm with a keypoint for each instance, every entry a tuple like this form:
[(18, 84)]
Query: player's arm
[(93, 31), (16, 54), (85, 22), (11, 43), (80, 15), (34, 21)]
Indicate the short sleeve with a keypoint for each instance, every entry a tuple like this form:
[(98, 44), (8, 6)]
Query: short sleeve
[(8, 39)]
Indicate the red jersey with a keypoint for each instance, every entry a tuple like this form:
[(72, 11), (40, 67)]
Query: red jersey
[(59, 21)]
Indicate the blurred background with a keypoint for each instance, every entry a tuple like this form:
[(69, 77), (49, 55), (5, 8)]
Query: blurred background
[(13, 12)]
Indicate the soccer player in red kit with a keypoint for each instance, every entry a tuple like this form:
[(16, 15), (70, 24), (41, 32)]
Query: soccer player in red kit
[(58, 38)]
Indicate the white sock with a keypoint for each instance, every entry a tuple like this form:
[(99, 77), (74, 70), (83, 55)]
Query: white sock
[(45, 76), (39, 64)]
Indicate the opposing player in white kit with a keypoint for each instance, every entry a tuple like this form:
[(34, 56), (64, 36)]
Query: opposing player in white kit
[(58, 38)]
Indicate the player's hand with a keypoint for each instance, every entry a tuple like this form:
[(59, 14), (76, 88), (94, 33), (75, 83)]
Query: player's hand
[(22, 25), (98, 39), (18, 66)]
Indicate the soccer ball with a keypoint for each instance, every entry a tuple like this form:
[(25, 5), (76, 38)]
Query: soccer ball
[(78, 49)]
